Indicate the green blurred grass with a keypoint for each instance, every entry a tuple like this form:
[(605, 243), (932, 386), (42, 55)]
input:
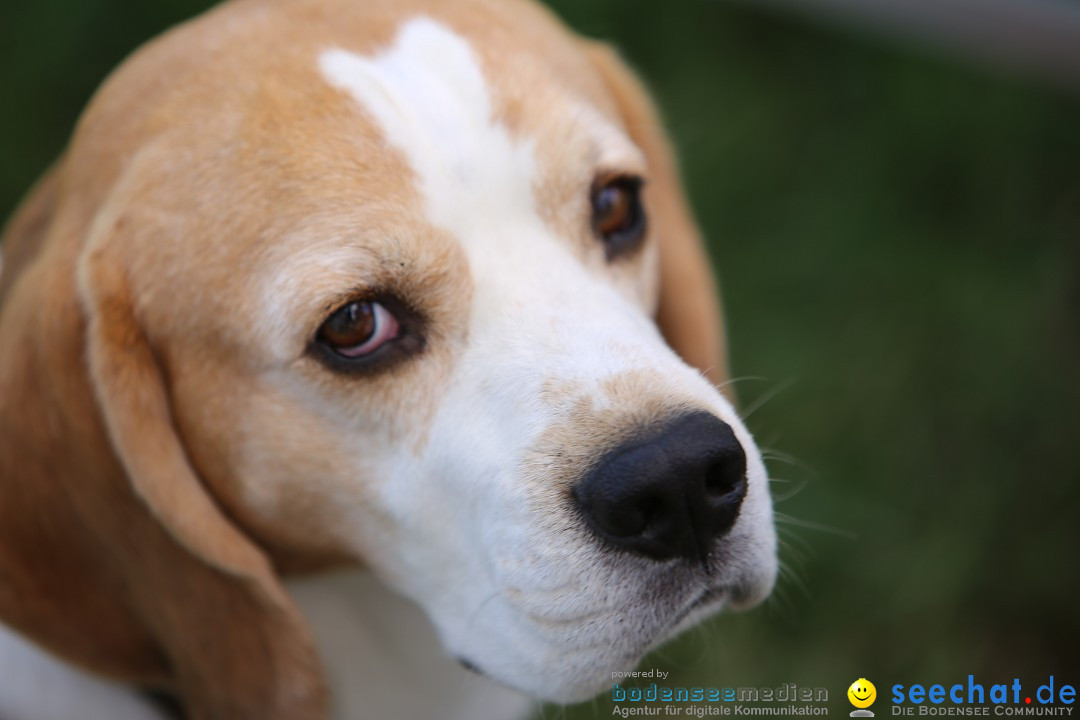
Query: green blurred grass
[(898, 237)]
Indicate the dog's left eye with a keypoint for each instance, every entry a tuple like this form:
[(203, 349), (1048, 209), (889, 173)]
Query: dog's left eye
[(618, 217), (359, 329)]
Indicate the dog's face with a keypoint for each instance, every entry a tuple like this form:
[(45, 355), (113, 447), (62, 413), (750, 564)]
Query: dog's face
[(402, 286)]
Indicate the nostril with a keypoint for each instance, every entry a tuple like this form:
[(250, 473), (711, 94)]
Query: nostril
[(649, 510), (717, 483), (724, 476), (624, 515), (628, 519)]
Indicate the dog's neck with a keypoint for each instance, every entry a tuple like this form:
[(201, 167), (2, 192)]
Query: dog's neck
[(381, 657)]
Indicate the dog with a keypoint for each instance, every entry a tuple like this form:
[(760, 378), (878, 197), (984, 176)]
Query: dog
[(351, 346)]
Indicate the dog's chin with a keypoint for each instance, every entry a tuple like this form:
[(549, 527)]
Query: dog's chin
[(579, 676)]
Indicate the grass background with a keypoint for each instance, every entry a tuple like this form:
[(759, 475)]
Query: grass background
[(898, 238)]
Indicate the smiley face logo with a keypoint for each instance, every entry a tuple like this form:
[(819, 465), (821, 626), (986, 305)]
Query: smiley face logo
[(862, 693)]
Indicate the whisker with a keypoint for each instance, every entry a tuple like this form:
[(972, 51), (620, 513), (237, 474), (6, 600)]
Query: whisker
[(799, 486), (769, 453), (732, 381), (766, 397), (791, 566), (780, 603), (783, 518), (794, 543), (704, 632), (794, 577)]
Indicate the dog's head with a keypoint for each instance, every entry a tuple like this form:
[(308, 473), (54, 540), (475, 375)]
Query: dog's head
[(416, 287)]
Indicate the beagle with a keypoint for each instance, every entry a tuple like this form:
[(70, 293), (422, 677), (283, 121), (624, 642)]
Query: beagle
[(350, 338)]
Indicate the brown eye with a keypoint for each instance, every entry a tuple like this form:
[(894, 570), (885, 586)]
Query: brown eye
[(359, 329), (618, 217)]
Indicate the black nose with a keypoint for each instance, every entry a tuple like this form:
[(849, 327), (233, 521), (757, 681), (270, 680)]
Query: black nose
[(671, 494)]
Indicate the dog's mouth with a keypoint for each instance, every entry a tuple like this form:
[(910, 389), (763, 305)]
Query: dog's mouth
[(709, 596), (701, 605), (470, 666), (594, 654)]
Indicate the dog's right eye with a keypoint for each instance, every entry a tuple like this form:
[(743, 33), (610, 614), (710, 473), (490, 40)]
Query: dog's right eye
[(359, 329), (368, 336)]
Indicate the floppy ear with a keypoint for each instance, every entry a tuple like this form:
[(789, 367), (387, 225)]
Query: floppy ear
[(236, 645), (689, 310)]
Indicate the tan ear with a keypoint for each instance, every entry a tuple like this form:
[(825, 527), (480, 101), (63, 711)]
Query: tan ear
[(689, 311), (236, 645)]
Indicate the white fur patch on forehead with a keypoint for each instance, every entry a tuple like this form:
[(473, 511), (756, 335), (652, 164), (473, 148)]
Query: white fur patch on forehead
[(428, 94)]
